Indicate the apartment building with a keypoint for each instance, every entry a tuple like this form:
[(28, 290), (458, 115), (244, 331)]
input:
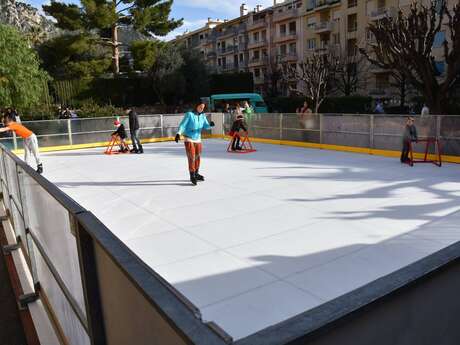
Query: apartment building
[(290, 30)]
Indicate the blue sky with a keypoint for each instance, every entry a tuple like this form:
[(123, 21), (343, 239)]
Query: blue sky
[(196, 12)]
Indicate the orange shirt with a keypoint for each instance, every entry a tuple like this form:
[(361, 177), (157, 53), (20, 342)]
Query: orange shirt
[(20, 130)]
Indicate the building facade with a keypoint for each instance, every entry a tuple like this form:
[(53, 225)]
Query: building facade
[(260, 38)]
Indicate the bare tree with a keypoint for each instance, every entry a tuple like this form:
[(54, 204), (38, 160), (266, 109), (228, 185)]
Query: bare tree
[(273, 76), (405, 44), (351, 72), (311, 78)]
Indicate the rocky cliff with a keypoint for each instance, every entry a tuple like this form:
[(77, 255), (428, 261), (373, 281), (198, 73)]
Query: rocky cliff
[(25, 17)]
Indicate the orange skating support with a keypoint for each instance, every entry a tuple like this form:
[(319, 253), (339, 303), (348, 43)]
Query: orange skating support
[(115, 142), (245, 143), (437, 153)]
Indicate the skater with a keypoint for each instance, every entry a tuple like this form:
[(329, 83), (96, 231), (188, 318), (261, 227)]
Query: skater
[(409, 136), (238, 124), (190, 127), (134, 130), (30, 140), (120, 134)]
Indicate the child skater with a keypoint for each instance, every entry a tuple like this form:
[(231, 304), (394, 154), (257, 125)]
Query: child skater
[(190, 127), (410, 135), (238, 124), (30, 140), (120, 134)]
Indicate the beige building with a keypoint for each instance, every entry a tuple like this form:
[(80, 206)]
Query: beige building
[(289, 31)]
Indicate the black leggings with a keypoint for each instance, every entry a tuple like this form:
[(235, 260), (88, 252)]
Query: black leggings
[(236, 142)]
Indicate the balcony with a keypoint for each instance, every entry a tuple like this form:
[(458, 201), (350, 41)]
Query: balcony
[(211, 55), (254, 62), (257, 44), (259, 80), (291, 36), (379, 91), (289, 57), (227, 68), (378, 70), (286, 14), (325, 4), (227, 33), (228, 50), (323, 27), (256, 24), (382, 12)]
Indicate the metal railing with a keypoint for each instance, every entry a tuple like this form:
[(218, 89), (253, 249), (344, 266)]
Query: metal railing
[(362, 130), (71, 132), (95, 290), (382, 132)]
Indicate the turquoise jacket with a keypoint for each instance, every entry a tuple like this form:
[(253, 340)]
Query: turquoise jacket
[(192, 124)]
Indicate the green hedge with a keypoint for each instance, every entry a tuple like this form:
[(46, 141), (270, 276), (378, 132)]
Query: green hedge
[(348, 104)]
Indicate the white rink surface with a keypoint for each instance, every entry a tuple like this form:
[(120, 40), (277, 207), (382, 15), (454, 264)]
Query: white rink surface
[(270, 234)]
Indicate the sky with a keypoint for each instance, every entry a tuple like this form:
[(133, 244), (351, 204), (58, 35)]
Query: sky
[(195, 12)]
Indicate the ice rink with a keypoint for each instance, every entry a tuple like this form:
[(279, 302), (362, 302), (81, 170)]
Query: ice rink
[(269, 234)]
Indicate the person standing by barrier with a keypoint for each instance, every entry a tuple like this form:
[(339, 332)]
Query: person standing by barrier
[(30, 141), (425, 111), (248, 111), (134, 130), (409, 136), (191, 127)]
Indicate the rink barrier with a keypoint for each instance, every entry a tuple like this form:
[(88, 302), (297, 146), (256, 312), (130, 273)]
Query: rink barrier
[(112, 287), (82, 284), (366, 134), (341, 148)]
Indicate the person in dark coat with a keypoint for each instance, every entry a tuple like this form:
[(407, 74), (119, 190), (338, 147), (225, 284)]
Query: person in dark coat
[(409, 136), (134, 129), (237, 125), (120, 134)]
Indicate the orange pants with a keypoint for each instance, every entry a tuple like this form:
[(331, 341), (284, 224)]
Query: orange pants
[(193, 154)]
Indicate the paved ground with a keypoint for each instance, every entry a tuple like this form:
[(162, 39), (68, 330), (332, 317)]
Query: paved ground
[(269, 234)]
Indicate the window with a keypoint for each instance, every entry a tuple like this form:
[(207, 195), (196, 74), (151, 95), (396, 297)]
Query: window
[(235, 61), (352, 47), (257, 73), (264, 53), (292, 48), (241, 57), (283, 30), (264, 35), (352, 22), (382, 81), (352, 3), (336, 38), (241, 39), (439, 39), (255, 37), (201, 37), (256, 55), (292, 28), (311, 43), (283, 49), (224, 62), (219, 62)]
